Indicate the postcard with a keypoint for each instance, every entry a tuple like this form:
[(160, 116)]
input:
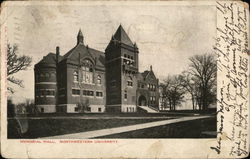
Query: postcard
[(124, 79)]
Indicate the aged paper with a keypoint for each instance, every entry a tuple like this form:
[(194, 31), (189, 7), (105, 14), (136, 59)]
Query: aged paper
[(130, 79)]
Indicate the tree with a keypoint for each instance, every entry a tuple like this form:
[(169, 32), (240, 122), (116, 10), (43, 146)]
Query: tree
[(15, 63), (10, 108), (203, 70), (30, 107), (173, 91), (189, 84)]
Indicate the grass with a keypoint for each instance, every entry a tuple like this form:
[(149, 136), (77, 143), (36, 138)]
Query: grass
[(187, 129), (52, 127)]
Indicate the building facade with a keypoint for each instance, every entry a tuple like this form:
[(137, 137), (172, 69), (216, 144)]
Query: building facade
[(88, 80)]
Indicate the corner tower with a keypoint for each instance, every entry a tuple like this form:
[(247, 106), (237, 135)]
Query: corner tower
[(121, 71)]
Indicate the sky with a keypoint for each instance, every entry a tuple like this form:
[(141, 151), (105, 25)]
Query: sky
[(166, 35)]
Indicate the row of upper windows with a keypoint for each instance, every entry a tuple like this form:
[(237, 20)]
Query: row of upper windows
[(43, 75), (87, 77), (87, 92), (45, 93), (129, 56), (128, 59), (151, 87)]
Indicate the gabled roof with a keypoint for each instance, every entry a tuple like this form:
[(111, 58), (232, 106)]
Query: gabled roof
[(147, 74), (122, 36), (50, 59), (73, 54)]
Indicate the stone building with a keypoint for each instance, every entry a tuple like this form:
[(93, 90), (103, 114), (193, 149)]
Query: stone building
[(88, 80)]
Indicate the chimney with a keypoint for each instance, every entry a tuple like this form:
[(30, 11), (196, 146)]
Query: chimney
[(57, 54), (151, 68)]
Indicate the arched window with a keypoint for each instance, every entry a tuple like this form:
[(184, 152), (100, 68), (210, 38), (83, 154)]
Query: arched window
[(130, 81), (99, 80), (53, 74), (76, 76), (154, 87), (87, 72), (47, 75), (41, 77)]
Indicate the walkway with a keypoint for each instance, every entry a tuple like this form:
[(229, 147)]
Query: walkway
[(110, 131)]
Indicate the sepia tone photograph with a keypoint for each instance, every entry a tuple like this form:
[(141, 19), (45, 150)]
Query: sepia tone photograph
[(89, 71)]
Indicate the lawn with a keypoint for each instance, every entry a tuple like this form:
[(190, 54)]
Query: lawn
[(187, 129), (52, 127)]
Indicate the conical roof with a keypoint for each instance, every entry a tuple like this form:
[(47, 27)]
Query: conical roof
[(80, 33), (122, 36)]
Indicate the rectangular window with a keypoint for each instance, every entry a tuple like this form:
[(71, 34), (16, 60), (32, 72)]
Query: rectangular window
[(99, 109), (42, 92), (99, 94), (88, 93), (130, 83), (91, 93), (84, 92), (75, 92), (76, 109)]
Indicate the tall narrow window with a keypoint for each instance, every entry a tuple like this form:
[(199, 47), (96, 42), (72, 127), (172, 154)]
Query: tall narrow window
[(76, 76), (125, 95), (99, 80), (130, 81), (87, 72), (47, 75)]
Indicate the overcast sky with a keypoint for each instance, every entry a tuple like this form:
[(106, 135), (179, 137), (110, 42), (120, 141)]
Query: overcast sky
[(166, 35)]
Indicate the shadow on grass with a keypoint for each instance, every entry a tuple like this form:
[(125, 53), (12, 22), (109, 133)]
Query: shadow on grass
[(52, 127), (187, 129)]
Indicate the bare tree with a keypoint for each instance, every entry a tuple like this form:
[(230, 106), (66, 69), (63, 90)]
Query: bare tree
[(203, 70), (173, 91), (15, 63), (189, 84)]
